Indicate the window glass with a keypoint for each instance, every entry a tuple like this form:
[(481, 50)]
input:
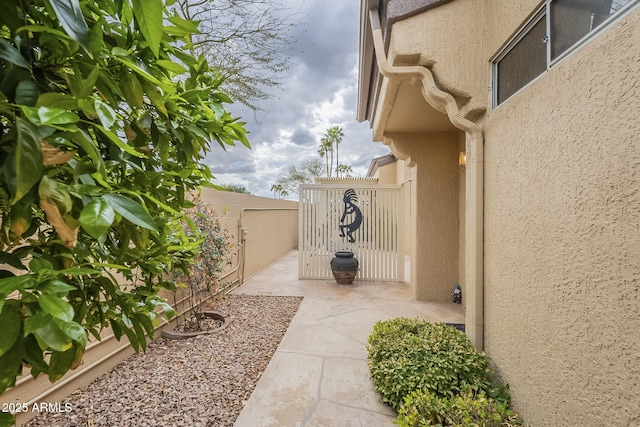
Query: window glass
[(532, 51), (573, 19), (525, 61)]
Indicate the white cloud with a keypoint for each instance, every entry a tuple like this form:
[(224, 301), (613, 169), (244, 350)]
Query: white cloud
[(320, 92)]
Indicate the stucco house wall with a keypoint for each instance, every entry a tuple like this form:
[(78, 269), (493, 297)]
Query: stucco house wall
[(561, 205), (562, 241)]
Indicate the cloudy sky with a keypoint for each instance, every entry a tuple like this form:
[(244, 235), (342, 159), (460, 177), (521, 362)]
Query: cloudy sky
[(320, 91)]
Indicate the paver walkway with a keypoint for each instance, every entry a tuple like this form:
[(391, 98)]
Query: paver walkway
[(318, 376)]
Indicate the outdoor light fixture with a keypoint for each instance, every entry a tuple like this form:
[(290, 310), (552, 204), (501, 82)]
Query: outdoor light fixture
[(462, 159)]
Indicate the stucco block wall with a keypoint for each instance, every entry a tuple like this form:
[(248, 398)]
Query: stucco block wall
[(271, 225), (562, 236)]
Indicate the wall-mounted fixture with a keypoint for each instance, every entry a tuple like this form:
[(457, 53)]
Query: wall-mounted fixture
[(462, 159)]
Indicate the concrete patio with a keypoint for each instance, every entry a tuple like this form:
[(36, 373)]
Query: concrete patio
[(318, 376)]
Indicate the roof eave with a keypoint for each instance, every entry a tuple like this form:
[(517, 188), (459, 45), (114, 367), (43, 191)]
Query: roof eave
[(366, 59), (405, 9)]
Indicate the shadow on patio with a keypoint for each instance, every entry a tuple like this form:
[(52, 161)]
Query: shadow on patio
[(318, 375)]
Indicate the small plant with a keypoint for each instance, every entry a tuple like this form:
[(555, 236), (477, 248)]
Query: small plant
[(408, 354), (213, 253), (422, 408)]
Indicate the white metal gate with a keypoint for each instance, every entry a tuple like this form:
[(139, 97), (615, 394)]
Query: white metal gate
[(377, 241)]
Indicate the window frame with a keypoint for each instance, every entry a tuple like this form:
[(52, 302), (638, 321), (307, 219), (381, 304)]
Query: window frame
[(544, 12), (539, 14)]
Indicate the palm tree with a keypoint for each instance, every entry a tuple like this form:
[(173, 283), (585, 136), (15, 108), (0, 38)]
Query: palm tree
[(277, 190), (326, 146), (322, 151), (345, 169), (335, 135)]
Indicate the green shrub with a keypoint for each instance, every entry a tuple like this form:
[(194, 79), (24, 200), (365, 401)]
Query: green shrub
[(422, 408), (408, 354)]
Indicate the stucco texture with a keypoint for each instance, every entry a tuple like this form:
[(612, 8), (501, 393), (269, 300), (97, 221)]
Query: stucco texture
[(562, 237), (561, 207), (446, 45), (434, 220)]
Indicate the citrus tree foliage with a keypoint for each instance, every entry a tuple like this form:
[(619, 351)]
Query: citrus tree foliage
[(104, 121)]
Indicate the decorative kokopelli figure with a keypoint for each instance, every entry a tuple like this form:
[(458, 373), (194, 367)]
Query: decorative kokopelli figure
[(350, 199)]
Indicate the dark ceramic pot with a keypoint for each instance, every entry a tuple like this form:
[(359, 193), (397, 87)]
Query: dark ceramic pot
[(344, 267)]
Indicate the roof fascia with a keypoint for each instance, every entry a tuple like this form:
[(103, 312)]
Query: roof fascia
[(391, 11)]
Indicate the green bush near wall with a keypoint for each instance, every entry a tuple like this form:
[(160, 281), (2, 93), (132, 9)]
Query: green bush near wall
[(422, 408), (432, 375)]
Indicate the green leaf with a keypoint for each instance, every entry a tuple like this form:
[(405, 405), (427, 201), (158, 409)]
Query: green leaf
[(72, 21), (132, 211), (56, 307), (168, 310), (38, 264), (105, 113), (50, 116), (89, 85), (57, 100), (142, 339), (73, 330), (96, 37), (11, 366), (36, 321), (10, 284), (60, 363), (116, 140), (148, 14), (131, 89), (7, 419), (55, 287), (9, 53), (50, 336), (10, 330), (27, 93), (144, 73), (96, 218), (155, 97), (189, 27), (23, 167), (44, 29), (146, 323), (89, 146), (11, 259), (174, 67)]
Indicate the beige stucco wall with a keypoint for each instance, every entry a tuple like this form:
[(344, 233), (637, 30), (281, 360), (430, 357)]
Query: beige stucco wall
[(271, 225), (562, 247), (561, 206), (434, 211)]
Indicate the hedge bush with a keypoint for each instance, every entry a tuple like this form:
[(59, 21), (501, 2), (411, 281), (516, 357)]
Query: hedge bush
[(406, 355), (422, 408)]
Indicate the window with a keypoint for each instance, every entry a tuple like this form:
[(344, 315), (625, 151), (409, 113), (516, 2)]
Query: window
[(554, 30), (571, 20), (525, 61)]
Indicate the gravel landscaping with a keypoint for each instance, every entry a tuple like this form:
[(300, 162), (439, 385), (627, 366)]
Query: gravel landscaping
[(200, 381)]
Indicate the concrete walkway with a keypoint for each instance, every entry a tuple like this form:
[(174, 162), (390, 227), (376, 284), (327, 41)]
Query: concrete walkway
[(318, 376)]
